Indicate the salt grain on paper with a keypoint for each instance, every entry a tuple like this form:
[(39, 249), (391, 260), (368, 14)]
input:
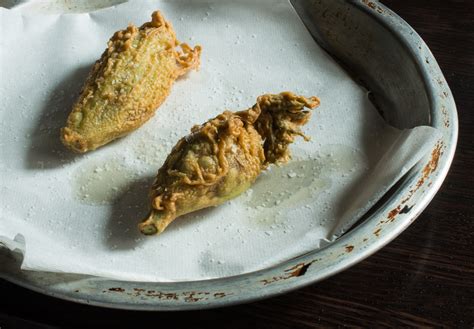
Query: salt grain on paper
[(291, 174)]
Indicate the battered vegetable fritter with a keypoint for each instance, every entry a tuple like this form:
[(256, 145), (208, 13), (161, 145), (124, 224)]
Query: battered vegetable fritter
[(222, 158), (126, 85)]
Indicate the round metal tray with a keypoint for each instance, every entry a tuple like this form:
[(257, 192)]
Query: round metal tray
[(391, 60)]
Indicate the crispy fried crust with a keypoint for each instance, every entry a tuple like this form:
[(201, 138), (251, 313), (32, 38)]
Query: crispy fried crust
[(126, 85), (222, 158)]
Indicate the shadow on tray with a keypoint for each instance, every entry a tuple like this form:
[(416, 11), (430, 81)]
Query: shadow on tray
[(130, 208), (46, 150)]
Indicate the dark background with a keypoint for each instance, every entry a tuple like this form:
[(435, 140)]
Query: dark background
[(425, 277)]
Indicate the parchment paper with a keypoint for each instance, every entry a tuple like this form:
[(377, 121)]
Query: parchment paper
[(79, 213)]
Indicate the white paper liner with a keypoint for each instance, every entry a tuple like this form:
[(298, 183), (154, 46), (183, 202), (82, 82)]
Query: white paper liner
[(79, 213)]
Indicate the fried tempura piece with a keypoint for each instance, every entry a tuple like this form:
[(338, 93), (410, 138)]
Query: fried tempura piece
[(131, 79), (222, 158)]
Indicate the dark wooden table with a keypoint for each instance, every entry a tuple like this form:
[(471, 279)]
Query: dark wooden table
[(423, 278)]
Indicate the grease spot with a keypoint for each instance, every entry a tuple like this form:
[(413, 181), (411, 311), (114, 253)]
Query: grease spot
[(102, 182), (299, 182)]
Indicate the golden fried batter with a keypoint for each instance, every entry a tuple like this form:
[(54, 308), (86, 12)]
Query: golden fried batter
[(222, 158), (126, 85)]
